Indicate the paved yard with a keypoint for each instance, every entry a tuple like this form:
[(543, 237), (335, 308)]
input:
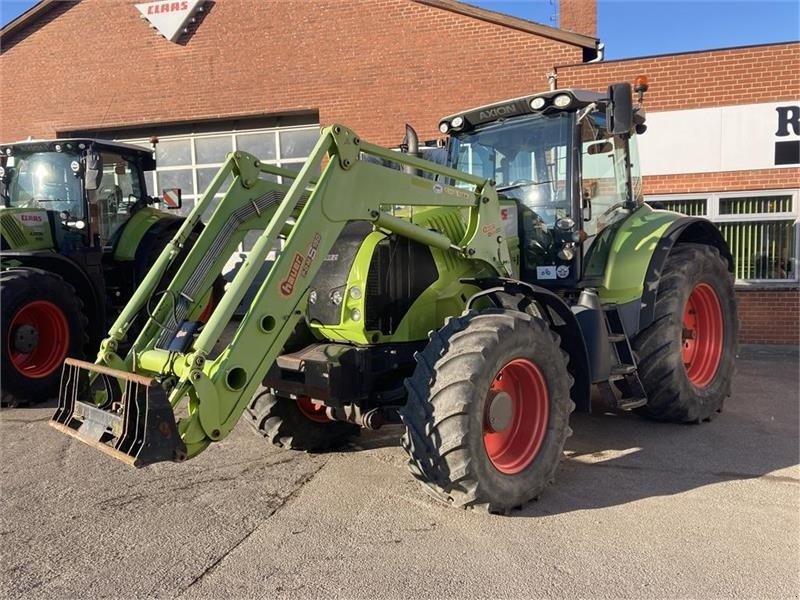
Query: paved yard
[(639, 510)]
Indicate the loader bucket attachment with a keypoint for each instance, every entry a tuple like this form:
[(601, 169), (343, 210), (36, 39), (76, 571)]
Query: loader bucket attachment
[(125, 415)]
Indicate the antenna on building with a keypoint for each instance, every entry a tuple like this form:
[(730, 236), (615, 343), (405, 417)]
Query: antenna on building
[(553, 18)]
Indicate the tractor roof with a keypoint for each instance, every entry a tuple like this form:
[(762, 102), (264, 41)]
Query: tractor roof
[(515, 107), (143, 155)]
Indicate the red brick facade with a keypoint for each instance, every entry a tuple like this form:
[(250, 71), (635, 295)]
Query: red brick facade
[(372, 64)]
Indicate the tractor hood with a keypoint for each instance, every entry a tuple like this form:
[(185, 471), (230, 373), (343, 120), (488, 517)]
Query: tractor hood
[(26, 229)]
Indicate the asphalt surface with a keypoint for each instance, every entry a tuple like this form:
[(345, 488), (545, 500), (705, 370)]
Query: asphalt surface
[(639, 510)]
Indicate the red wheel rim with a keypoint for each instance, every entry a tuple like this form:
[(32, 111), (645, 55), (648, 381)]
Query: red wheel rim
[(208, 310), (513, 445), (312, 411), (52, 327), (702, 335)]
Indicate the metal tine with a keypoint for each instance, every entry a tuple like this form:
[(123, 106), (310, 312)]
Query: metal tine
[(143, 441), (129, 420), (141, 423)]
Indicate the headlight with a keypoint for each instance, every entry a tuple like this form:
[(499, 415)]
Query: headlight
[(457, 122), (75, 166), (565, 224), (355, 292), (57, 147), (562, 100), (355, 314), (444, 127), (538, 103)]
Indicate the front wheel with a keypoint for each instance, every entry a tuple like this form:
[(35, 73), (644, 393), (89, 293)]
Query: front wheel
[(686, 356), (42, 323), (488, 410), (297, 424)]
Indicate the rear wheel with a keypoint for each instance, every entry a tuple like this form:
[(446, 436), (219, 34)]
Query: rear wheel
[(297, 424), (42, 323), (488, 410), (686, 356)]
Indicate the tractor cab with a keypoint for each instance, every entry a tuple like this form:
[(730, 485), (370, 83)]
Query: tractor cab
[(567, 159), (84, 190)]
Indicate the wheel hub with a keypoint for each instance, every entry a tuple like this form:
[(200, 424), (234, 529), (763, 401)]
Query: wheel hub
[(35, 320), (26, 338), (516, 415), (702, 335), (501, 411)]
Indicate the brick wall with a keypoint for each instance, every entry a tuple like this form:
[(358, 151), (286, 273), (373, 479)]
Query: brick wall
[(768, 316), (724, 181), (700, 79), (579, 16), (372, 64)]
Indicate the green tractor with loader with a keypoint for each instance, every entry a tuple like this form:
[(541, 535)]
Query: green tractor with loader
[(78, 234), (477, 302)]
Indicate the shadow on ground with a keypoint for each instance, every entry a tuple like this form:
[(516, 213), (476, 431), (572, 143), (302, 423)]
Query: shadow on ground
[(614, 459)]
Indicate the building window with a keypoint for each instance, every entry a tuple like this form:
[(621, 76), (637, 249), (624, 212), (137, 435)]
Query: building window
[(761, 229), (190, 161)]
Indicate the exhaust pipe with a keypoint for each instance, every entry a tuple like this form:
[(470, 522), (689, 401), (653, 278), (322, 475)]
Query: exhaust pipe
[(411, 145)]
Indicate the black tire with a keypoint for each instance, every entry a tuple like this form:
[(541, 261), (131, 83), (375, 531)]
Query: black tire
[(448, 400), (281, 421), (38, 380), (674, 395)]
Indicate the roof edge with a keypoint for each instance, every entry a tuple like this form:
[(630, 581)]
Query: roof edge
[(30, 15), (682, 53), (490, 16)]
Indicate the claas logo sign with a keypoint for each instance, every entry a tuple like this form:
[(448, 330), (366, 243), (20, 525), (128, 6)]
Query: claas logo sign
[(171, 19)]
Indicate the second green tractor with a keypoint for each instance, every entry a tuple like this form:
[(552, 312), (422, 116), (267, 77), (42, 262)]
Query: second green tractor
[(478, 299)]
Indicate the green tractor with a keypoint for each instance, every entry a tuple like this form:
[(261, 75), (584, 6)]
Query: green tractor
[(78, 235), (479, 302)]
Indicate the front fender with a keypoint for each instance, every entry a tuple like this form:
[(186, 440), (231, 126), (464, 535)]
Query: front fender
[(560, 319)]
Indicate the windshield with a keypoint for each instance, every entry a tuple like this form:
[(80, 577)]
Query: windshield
[(44, 180), (527, 158)]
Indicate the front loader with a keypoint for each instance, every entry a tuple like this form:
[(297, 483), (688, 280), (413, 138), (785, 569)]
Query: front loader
[(478, 302)]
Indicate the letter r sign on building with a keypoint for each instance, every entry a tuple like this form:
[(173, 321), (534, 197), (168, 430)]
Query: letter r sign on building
[(169, 18)]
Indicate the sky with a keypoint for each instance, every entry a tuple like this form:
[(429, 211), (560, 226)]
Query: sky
[(631, 28)]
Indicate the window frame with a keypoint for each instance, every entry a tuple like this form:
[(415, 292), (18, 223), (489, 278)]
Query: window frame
[(712, 214)]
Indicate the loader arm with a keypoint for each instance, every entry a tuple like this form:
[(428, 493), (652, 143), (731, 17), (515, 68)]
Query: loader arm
[(128, 405)]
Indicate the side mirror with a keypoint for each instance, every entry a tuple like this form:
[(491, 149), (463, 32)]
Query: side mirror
[(171, 197), (94, 170), (619, 113)]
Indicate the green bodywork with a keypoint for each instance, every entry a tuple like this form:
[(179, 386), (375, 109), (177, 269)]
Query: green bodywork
[(135, 229), (622, 253), (444, 297), (26, 229)]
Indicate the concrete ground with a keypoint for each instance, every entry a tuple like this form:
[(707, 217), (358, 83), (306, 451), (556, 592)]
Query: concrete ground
[(639, 510)]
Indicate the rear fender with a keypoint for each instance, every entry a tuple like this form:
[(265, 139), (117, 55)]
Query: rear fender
[(636, 256), (505, 293), (144, 224), (686, 230)]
